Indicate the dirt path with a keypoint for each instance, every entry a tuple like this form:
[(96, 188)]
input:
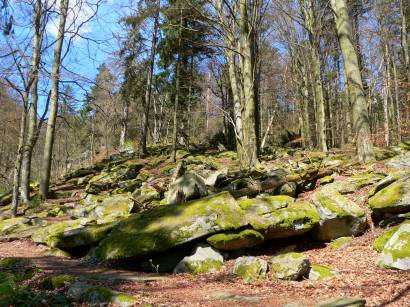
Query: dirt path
[(59, 265), (358, 277)]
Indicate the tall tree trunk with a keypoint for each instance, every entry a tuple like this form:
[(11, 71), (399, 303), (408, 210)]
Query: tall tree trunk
[(237, 108), (124, 123), (19, 158), (361, 121), (310, 21), (32, 134), (51, 124), (177, 93), (250, 138), (148, 89), (305, 107), (404, 41), (397, 101)]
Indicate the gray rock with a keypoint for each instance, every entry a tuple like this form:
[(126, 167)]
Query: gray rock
[(339, 216), (95, 295), (396, 252), (203, 260), (250, 268), (395, 198), (164, 227), (290, 266), (188, 187)]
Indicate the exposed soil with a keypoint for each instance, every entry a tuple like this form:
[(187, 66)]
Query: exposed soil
[(358, 276)]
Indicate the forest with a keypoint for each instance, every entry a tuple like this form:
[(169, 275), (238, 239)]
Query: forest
[(204, 152)]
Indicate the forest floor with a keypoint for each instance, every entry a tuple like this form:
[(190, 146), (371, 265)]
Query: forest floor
[(358, 277)]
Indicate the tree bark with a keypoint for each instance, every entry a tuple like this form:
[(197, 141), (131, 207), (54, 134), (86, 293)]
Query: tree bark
[(148, 89), (19, 158), (361, 123), (250, 138), (177, 93), (51, 124), (124, 123), (404, 42), (32, 134), (310, 23), (397, 101)]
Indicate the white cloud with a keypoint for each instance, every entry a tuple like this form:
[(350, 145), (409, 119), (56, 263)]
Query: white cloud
[(79, 13)]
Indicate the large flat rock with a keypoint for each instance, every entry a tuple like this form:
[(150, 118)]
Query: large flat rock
[(168, 226)]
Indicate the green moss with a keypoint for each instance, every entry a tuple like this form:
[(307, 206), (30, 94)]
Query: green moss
[(79, 237), (234, 241), (289, 266), (164, 227), (9, 225), (203, 266), (143, 175), (396, 252), (250, 268), (58, 281), (326, 180), (381, 241), (337, 203), (280, 220), (393, 199), (321, 272), (340, 243), (274, 202)]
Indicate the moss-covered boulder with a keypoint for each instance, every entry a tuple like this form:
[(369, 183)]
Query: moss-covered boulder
[(99, 183), (81, 172), (279, 216), (400, 161), (55, 282), (321, 272), (204, 259), (187, 187), (236, 240), (250, 268), (9, 225), (216, 178), (288, 189), (385, 182), (45, 234), (381, 241), (343, 301), (113, 207), (95, 295), (289, 266), (340, 243), (146, 194), (84, 236), (396, 251), (113, 176), (355, 183), (339, 216), (164, 227), (394, 198)]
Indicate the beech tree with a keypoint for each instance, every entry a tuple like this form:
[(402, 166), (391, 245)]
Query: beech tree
[(361, 121)]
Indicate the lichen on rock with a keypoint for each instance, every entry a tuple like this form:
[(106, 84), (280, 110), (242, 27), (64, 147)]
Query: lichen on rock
[(250, 268), (396, 251), (339, 216), (204, 259), (235, 241), (289, 266), (168, 226)]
